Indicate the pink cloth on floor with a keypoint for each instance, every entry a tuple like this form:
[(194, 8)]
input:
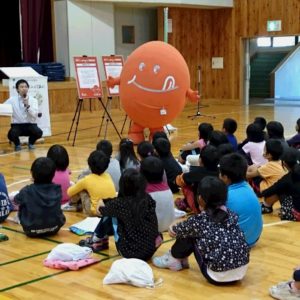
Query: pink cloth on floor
[(73, 265)]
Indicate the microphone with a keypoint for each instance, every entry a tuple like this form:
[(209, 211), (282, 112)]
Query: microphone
[(25, 102)]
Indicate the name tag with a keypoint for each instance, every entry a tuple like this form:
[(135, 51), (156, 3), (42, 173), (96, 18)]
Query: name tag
[(163, 112)]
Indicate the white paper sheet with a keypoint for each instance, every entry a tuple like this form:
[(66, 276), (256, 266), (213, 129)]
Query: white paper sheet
[(88, 225)]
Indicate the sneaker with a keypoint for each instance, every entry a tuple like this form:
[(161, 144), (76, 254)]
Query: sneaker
[(102, 244), (170, 128), (68, 207), (283, 291), (18, 148), (167, 261), (159, 240), (181, 204), (31, 147), (185, 263), (266, 209), (79, 207)]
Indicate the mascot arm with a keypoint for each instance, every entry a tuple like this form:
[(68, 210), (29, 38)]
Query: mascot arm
[(192, 95), (112, 81)]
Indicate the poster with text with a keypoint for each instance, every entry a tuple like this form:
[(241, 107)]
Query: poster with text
[(87, 77), (113, 65)]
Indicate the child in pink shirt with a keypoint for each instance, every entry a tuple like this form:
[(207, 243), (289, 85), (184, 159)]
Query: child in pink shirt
[(204, 131), (62, 175)]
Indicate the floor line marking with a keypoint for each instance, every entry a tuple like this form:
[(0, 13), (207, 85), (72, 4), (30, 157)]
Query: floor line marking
[(21, 168), (17, 182), (46, 239), (24, 258), (276, 223), (48, 276), (31, 281), (28, 179)]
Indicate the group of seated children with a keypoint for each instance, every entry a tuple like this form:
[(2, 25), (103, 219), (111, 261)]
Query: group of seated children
[(135, 202), (265, 153), (141, 210)]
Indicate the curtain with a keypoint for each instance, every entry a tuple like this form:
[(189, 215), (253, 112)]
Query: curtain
[(10, 42), (46, 44), (36, 30)]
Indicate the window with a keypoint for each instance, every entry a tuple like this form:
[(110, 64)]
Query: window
[(128, 35), (283, 41), (264, 42)]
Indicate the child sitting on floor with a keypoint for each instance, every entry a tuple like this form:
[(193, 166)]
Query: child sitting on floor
[(193, 148), (275, 130), (152, 168), (5, 205), (241, 197), (261, 123), (171, 166), (126, 155), (253, 149), (60, 157), (95, 186), (132, 215), (286, 189), (40, 213), (213, 236), (158, 135), (113, 168), (229, 128), (144, 150), (216, 139), (208, 160), (266, 175), (295, 140)]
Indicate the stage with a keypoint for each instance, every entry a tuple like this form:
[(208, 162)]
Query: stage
[(63, 97)]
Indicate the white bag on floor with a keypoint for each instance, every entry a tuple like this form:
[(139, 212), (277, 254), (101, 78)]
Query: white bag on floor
[(131, 271), (69, 252)]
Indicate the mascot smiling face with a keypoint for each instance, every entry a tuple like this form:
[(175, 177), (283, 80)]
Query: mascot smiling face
[(153, 84)]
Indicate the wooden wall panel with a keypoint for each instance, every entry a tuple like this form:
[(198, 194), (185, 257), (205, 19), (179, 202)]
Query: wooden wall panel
[(200, 34), (260, 11)]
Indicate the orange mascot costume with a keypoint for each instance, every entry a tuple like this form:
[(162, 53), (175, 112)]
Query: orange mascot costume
[(154, 84)]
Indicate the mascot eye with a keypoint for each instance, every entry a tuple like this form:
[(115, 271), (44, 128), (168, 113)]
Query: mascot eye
[(142, 66), (156, 69)]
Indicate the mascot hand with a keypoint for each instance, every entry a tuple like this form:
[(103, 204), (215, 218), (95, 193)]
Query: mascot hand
[(111, 81), (193, 95)]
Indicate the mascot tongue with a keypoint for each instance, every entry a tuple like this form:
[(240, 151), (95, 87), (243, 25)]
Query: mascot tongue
[(169, 83)]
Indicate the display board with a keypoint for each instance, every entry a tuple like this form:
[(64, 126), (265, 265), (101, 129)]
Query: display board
[(87, 77), (113, 66)]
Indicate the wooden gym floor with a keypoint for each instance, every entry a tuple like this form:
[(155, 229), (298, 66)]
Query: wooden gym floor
[(24, 277)]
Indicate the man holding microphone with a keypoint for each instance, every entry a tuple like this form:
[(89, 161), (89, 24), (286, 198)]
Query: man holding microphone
[(25, 113)]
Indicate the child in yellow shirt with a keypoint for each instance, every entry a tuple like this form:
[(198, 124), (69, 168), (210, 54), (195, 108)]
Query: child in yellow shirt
[(270, 172), (98, 185)]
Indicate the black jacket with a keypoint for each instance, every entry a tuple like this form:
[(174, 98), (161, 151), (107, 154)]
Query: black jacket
[(135, 241), (286, 185), (39, 211)]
